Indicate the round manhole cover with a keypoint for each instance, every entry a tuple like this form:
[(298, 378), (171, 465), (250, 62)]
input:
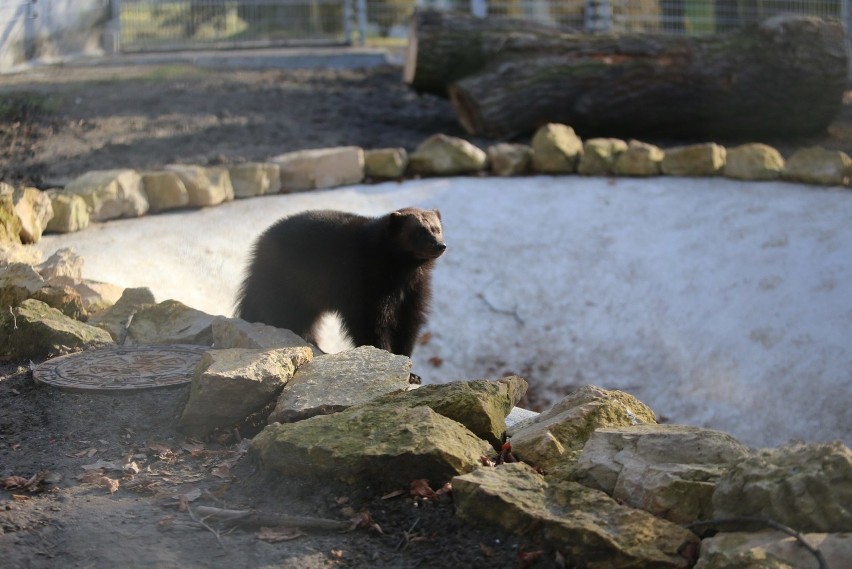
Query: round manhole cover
[(122, 368)]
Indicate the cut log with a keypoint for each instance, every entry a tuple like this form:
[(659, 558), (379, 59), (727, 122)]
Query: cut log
[(783, 77)]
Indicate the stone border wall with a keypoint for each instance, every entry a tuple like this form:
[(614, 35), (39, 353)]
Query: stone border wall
[(555, 150)]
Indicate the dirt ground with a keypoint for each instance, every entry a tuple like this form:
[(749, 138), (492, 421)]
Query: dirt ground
[(57, 123)]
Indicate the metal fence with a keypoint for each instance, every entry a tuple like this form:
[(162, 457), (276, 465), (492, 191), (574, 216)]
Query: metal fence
[(166, 24)]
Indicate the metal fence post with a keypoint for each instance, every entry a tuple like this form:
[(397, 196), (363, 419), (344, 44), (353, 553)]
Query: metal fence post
[(362, 22)]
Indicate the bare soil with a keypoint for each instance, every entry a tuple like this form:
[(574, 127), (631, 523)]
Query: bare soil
[(60, 122)]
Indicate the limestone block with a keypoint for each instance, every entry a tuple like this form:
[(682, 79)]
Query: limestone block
[(237, 333), (34, 209), (170, 322), (165, 190), (587, 527), (599, 156), (64, 267), (818, 166), (753, 161), (10, 224), (556, 149), (33, 330), (509, 159), (556, 436), (205, 186), (333, 382), (110, 194), (320, 168), (640, 159), (386, 448), (254, 179), (117, 317), (70, 212), (97, 295), (63, 298), (667, 470), (694, 160), (18, 281), (17, 253), (385, 163), (804, 486), (231, 384), (773, 549), (442, 155)]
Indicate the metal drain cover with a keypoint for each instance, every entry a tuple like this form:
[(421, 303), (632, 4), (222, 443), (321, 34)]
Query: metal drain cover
[(118, 368)]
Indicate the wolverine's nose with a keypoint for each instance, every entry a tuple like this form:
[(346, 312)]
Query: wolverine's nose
[(440, 246)]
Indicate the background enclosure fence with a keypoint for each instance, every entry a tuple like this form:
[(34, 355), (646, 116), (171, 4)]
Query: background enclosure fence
[(182, 24)]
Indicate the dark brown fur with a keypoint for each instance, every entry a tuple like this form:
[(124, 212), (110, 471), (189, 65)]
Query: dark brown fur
[(374, 272)]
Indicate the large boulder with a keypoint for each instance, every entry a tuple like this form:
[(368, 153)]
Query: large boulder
[(555, 437), (33, 330), (255, 179), (480, 405), (320, 168), (229, 385), (556, 149), (587, 527), (18, 281), (383, 448), (333, 382), (110, 193), (667, 470), (10, 224), (170, 322), (804, 486), (442, 155)]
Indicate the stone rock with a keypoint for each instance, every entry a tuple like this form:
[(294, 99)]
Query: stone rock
[(803, 486), (63, 268), (383, 448), (320, 168), (480, 405), (442, 155), (205, 186), (63, 298), (333, 382), (34, 330), (17, 253), (165, 190), (599, 156), (555, 437), (110, 193), (818, 166), (556, 149), (640, 159), (10, 224), (753, 161), (231, 384), (34, 209), (667, 470), (694, 160), (237, 333), (254, 179), (509, 159), (587, 527), (97, 295), (117, 317), (773, 550), (385, 163), (18, 281), (170, 322), (70, 212)]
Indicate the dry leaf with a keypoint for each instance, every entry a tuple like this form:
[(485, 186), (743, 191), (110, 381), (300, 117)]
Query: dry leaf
[(393, 494), (14, 482), (337, 554), (183, 504), (223, 471), (90, 476), (20, 497), (109, 483), (276, 535), (166, 522), (436, 361), (420, 489), (365, 521)]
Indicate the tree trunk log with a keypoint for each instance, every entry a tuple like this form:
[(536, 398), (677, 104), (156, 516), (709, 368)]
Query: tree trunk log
[(783, 77)]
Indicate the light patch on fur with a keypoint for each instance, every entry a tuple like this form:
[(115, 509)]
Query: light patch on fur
[(330, 335)]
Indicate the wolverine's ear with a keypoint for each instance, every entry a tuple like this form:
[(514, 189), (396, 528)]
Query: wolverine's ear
[(438, 213), (395, 219)]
